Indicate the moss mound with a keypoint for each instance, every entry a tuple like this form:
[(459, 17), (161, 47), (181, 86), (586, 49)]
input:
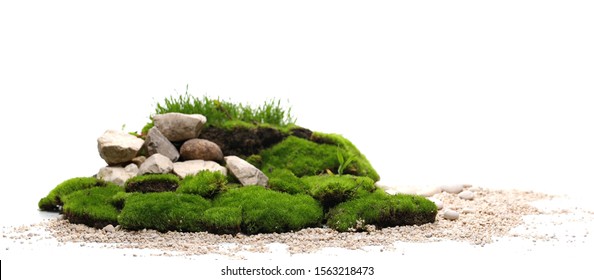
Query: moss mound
[(92, 207), (54, 200), (152, 183), (333, 189), (266, 211), (308, 158), (204, 183), (381, 210), (164, 211), (222, 220), (283, 180)]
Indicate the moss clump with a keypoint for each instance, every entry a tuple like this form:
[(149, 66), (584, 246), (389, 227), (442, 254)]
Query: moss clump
[(333, 189), (54, 200), (300, 156), (283, 180), (164, 211), (359, 166), (205, 183), (222, 220), (152, 183), (92, 206), (266, 211), (382, 210)]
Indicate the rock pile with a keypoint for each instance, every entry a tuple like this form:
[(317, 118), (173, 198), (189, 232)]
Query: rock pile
[(128, 156)]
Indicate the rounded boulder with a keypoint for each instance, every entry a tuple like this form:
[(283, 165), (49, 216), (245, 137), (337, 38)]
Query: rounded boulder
[(194, 149)]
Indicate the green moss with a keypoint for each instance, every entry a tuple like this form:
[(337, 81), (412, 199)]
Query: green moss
[(222, 220), (152, 183), (283, 180), (360, 165), (300, 156), (265, 211), (333, 189), (53, 201), (164, 211), (92, 206), (119, 199), (205, 183), (382, 210)]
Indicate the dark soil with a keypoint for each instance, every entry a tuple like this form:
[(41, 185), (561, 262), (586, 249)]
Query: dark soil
[(244, 142)]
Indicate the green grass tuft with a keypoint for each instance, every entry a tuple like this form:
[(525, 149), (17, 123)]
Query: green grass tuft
[(164, 211), (221, 113), (359, 165), (266, 211), (92, 206), (152, 183), (205, 183), (53, 201), (382, 210)]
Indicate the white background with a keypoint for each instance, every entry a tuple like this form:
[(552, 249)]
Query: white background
[(491, 93)]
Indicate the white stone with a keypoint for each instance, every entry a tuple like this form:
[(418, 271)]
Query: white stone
[(156, 164), (185, 168), (468, 211), (449, 214), (245, 172), (455, 189), (118, 175), (429, 191), (117, 147), (467, 195), (437, 202)]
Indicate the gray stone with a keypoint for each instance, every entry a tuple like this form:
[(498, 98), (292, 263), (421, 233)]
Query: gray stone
[(246, 173), (109, 228), (118, 175), (452, 188), (449, 214), (467, 195), (156, 164), (185, 168), (201, 149), (157, 143), (179, 127), (139, 160), (117, 147)]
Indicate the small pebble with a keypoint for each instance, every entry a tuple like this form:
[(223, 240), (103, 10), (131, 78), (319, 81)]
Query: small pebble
[(437, 202), (451, 215), (468, 211), (109, 228), (452, 188), (467, 195)]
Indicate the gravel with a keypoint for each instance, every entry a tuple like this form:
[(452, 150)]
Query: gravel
[(490, 215)]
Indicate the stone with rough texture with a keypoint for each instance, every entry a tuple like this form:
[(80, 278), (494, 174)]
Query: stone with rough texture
[(467, 195), (179, 127), (139, 160), (185, 168), (451, 215), (246, 173), (109, 228), (201, 149), (117, 147), (157, 143), (156, 164), (118, 175), (455, 189)]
